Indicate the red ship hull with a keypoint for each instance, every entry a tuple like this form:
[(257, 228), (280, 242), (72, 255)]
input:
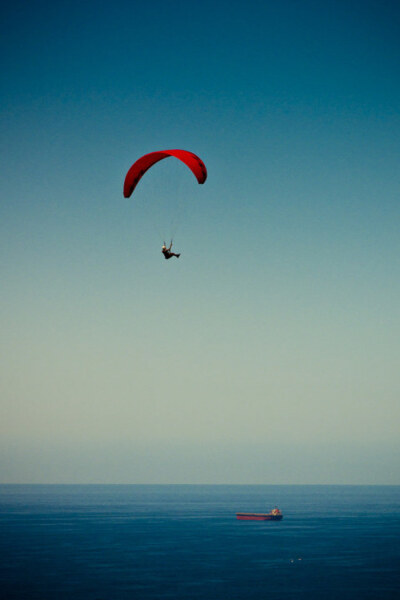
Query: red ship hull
[(258, 517)]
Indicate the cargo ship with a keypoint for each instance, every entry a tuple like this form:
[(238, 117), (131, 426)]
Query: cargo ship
[(274, 515)]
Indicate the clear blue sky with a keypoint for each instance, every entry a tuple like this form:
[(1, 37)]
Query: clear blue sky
[(269, 353)]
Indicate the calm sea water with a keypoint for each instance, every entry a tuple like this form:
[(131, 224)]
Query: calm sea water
[(183, 542)]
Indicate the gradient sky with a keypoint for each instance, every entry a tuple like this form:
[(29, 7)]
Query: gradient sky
[(269, 353)]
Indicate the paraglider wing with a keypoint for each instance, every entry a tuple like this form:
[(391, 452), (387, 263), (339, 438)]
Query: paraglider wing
[(139, 168)]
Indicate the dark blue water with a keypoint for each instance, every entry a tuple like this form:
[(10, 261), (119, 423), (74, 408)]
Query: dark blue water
[(182, 542)]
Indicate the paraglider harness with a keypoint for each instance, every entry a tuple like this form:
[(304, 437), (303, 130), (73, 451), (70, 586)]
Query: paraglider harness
[(167, 251)]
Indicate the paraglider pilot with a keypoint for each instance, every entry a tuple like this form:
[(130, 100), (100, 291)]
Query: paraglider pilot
[(167, 251)]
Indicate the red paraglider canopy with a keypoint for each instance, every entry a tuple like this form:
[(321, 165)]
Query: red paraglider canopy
[(139, 168)]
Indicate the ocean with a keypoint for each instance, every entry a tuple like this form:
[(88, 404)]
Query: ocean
[(105, 542)]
